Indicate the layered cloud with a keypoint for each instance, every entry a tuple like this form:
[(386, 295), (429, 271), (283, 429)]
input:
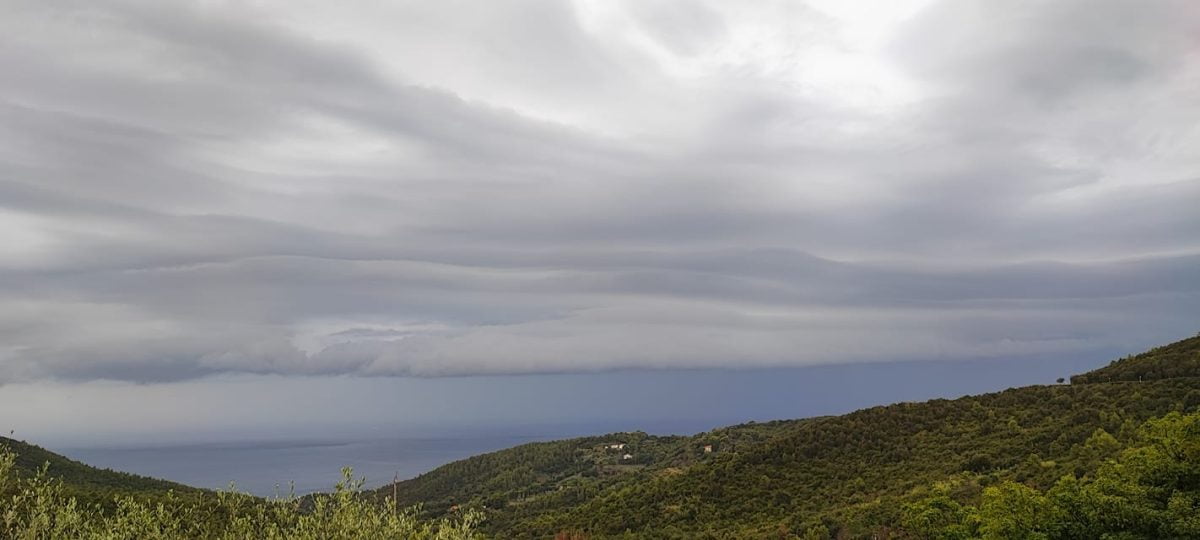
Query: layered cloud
[(539, 186)]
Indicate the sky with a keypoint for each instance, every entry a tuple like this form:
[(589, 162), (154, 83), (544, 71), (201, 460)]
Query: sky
[(253, 201)]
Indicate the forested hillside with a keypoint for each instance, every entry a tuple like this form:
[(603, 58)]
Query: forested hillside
[(86, 483), (1179, 359), (62, 499), (536, 477), (846, 476)]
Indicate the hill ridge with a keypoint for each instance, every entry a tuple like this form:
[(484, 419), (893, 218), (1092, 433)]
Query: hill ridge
[(83, 481), (752, 476)]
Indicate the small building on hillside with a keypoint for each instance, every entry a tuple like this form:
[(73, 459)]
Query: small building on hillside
[(616, 446), (627, 457), (708, 449)]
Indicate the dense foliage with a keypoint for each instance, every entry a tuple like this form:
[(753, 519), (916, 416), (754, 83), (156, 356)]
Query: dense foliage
[(1150, 491), (87, 484), (37, 507), (1179, 359), (848, 476), (530, 479)]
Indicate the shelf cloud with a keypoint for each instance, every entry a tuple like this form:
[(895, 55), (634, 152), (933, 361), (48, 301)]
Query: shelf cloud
[(535, 186)]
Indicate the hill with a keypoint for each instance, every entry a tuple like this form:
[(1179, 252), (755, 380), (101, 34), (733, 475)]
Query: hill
[(86, 483), (538, 476), (36, 505), (1177, 360), (846, 476)]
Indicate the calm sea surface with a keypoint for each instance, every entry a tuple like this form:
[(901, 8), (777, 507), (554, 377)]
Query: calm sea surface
[(313, 466)]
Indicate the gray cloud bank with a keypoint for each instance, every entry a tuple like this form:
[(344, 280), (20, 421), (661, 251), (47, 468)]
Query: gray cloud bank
[(538, 186)]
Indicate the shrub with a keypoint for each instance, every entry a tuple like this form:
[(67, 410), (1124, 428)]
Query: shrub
[(36, 507)]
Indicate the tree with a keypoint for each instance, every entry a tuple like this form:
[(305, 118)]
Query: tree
[(1012, 510)]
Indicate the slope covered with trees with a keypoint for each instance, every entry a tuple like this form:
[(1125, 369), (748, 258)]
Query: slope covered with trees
[(853, 472), (1150, 490), (36, 505), (846, 476), (86, 483), (530, 479), (1177, 360)]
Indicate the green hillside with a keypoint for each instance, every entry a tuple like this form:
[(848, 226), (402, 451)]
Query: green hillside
[(87, 483), (47, 496), (846, 476), (1179, 359), (534, 477)]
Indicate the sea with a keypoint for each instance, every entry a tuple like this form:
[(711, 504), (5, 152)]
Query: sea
[(268, 468)]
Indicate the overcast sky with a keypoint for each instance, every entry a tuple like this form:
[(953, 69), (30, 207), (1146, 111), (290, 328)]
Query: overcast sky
[(310, 188)]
